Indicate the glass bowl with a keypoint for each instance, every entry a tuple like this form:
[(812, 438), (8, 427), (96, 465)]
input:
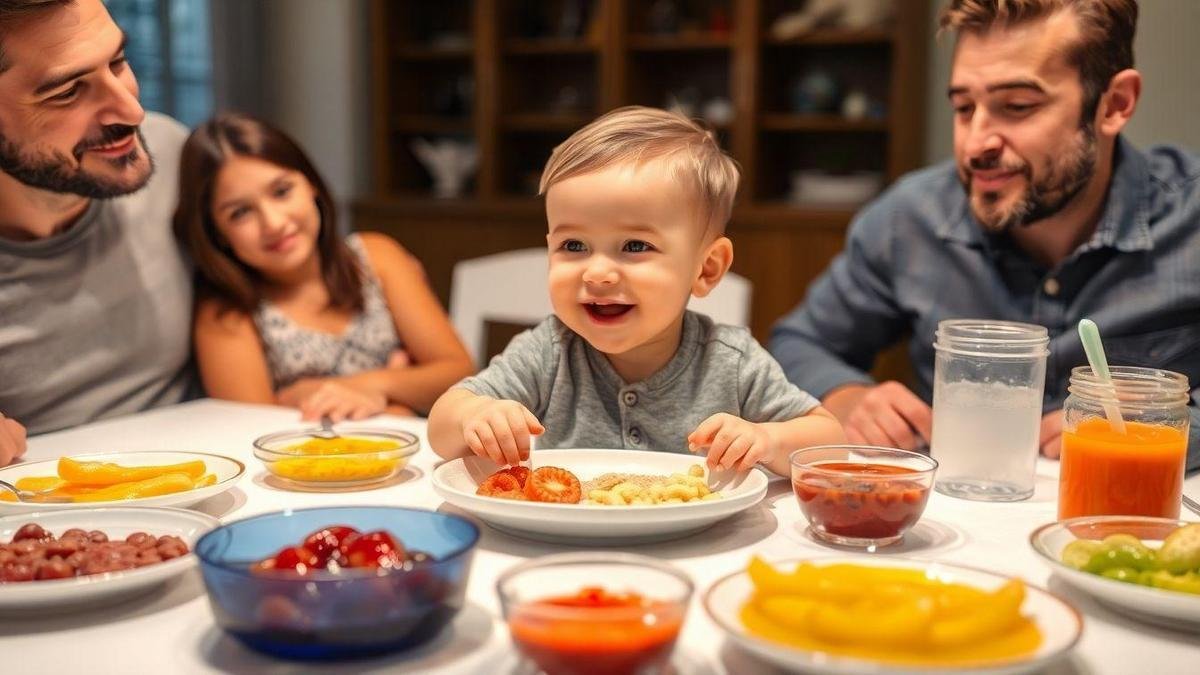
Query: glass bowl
[(857, 495), (357, 456), (355, 612), (595, 613)]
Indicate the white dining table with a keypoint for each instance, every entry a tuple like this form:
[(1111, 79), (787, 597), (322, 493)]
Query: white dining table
[(172, 630)]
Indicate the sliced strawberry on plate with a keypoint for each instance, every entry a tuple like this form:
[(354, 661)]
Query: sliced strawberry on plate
[(552, 484), (521, 473), (501, 481)]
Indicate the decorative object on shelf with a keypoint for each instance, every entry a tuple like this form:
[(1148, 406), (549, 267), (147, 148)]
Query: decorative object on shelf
[(848, 14), (717, 111), (663, 17), (685, 101), (718, 21), (856, 105), (450, 40), (454, 96), (816, 91), (567, 99), (812, 187), (449, 162), (573, 19)]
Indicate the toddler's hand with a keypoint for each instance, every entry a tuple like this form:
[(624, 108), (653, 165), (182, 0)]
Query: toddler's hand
[(500, 430), (341, 402), (731, 441)]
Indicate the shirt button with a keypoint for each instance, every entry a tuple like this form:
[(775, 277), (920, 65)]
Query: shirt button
[(1051, 287), (629, 397), (635, 436)]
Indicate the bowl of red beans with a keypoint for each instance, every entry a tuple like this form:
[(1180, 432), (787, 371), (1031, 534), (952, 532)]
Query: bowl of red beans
[(337, 582)]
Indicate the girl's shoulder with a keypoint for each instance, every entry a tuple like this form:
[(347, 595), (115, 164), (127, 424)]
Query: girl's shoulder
[(213, 313), (382, 251)]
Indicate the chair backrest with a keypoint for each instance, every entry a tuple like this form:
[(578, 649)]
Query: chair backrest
[(511, 287)]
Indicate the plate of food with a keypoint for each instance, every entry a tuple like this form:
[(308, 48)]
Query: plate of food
[(891, 615), (141, 478), (598, 496), (1147, 568), (351, 457), (57, 560)]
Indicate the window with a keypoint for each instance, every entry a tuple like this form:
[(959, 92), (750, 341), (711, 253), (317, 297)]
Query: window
[(170, 51)]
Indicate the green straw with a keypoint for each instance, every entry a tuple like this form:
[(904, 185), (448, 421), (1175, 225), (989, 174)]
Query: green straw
[(1089, 334)]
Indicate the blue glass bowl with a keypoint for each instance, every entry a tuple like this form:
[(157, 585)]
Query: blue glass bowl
[(352, 614)]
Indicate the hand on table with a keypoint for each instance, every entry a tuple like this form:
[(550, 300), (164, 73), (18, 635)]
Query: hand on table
[(12, 440), (731, 442), (887, 414), (319, 397), (500, 430), (1050, 434)]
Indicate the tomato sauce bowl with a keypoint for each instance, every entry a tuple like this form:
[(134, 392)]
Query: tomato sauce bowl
[(861, 496)]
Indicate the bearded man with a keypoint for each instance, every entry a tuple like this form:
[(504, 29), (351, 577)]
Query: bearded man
[(95, 298), (1047, 215)]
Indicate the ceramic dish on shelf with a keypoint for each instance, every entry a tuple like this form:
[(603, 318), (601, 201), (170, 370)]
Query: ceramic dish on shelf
[(456, 481), (225, 472), (1177, 610), (1059, 624), (354, 457), (57, 595)]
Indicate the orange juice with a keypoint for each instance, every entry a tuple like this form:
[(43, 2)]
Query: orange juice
[(1137, 473)]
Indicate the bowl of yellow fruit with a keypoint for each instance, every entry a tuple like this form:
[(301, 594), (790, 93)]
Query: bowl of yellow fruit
[(869, 615), (349, 457)]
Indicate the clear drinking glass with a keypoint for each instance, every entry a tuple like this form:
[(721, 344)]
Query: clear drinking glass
[(989, 381)]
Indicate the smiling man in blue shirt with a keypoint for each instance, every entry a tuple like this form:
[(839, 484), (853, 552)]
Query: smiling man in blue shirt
[(1046, 215)]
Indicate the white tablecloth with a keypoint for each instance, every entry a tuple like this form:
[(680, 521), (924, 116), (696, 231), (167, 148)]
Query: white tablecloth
[(173, 631)]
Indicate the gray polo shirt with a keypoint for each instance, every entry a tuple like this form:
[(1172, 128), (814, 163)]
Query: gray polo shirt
[(96, 321), (584, 403)]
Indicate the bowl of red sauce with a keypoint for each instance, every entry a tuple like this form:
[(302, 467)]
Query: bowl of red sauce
[(862, 496), (595, 613)]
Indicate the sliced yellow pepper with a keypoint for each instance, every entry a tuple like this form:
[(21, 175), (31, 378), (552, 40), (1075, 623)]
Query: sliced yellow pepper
[(151, 487), (205, 480), (993, 615), (106, 473)]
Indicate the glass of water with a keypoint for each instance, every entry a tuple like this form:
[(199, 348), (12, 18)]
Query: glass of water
[(989, 380)]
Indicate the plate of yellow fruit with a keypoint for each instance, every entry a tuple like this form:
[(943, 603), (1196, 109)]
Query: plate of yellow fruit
[(136, 478), (867, 615), (349, 457)]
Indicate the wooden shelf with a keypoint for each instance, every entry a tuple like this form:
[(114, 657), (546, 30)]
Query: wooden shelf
[(781, 213), (680, 43), (537, 121), (819, 123), (431, 124), (548, 46), (434, 53), (836, 37)]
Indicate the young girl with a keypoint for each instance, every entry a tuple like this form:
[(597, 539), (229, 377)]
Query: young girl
[(289, 312)]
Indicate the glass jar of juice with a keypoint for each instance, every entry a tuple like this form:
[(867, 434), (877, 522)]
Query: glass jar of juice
[(1139, 471)]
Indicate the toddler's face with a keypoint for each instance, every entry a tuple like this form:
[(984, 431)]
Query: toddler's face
[(267, 213), (626, 247)]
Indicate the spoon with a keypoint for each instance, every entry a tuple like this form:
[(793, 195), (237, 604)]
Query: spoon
[(1089, 334), (326, 430), (43, 497), (1191, 504)]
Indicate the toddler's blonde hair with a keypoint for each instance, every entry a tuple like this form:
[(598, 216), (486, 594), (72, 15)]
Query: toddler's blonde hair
[(635, 135)]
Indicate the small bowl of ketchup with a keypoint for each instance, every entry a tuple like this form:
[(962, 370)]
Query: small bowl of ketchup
[(595, 613), (861, 495)]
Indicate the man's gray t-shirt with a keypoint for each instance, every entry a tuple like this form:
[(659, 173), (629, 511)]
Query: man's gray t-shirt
[(583, 403), (96, 321)]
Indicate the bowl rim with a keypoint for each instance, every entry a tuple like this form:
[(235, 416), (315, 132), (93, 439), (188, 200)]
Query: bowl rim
[(410, 442), (602, 558), (243, 570), (834, 659), (931, 464)]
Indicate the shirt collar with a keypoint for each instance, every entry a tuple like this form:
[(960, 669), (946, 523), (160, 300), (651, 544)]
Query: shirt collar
[(1124, 222)]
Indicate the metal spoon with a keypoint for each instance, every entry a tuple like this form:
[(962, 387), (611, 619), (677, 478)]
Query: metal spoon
[(1191, 504), (326, 430), (43, 497)]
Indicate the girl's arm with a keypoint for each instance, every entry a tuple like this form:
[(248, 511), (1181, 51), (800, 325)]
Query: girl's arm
[(230, 355), (439, 358)]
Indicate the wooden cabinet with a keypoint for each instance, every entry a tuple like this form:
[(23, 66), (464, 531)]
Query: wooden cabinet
[(516, 77)]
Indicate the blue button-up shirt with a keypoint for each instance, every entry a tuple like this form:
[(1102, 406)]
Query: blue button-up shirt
[(916, 256)]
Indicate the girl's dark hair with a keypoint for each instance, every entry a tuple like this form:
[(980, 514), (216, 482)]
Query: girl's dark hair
[(219, 273)]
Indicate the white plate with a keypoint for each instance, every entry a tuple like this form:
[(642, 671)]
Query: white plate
[(1059, 622), (226, 469), (97, 589), (456, 482), (1180, 611)]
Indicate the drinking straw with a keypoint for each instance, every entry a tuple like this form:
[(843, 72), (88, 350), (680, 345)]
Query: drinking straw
[(1089, 334)]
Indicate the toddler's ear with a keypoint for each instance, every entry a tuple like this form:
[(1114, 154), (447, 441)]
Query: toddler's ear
[(718, 256)]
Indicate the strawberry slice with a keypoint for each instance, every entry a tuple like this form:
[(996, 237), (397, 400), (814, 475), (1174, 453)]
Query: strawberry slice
[(521, 473), (501, 481), (552, 484)]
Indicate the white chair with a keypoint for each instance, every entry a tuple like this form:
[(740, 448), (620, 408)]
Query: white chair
[(510, 287)]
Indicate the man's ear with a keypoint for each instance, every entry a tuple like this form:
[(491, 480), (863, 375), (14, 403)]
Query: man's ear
[(1118, 102), (717, 259)]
